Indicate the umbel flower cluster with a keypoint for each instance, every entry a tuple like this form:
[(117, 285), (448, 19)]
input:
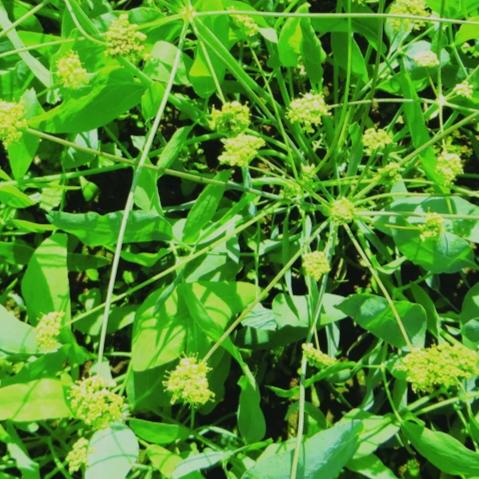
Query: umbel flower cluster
[(449, 166), (375, 139), (308, 111), (188, 383), (342, 211), (47, 331), (317, 358), (316, 264), (426, 59), (441, 365), (463, 89), (70, 71), (233, 118), (123, 39), (408, 7), (240, 150), (12, 121), (94, 403), (78, 455), (247, 24), (432, 227)]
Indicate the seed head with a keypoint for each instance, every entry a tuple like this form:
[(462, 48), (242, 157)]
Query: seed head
[(390, 171), (78, 455), (315, 264), (408, 7), (47, 331), (308, 110), (449, 166), (375, 139), (71, 72), (94, 403), (233, 118), (240, 150), (246, 23), (316, 357), (432, 227), (441, 365), (342, 211), (188, 383), (463, 89), (123, 39), (12, 121)]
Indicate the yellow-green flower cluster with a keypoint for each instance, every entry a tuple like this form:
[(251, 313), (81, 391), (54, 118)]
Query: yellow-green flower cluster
[(188, 383), (408, 7), (234, 117), (47, 331), (463, 89), (432, 227), (390, 171), (426, 59), (71, 72), (94, 403), (316, 357), (78, 455), (315, 264), (441, 365), (308, 110), (342, 211), (245, 22), (375, 139), (240, 150), (12, 121), (123, 39), (449, 166)]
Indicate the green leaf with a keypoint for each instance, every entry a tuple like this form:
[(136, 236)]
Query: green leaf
[(467, 32), (164, 327), (94, 229), (33, 401), (45, 283), (323, 455), (340, 55), (17, 337), (197, 462), (112, 453), (374, 314), (160, 63), (371, 467), (470, 315), (12, 196), (290, 40), (115, 91), (312, 53), (205, 208), (251, 422), (442, 450), (173, 148), (158, 432)]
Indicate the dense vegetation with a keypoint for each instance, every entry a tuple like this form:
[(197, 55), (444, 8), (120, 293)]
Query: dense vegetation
[(238, 239)]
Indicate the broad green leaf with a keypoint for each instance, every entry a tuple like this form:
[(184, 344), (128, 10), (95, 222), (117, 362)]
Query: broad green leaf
[(164, 327), (374, 314), (340, 55), (15, 252), (205, 208), (112, 453), (290, 40), (115, 91), (94, 229), (146, 192), (312, 53), (251, 422), (371, 467), (323, 455), (33, 401), (442, 450), (197, 462), (158, 432), (160, 63), (467, 32), (30, 469), (45, 283), (17, 337), (12, 196), (470, 315), (166, 461), (173, 148)]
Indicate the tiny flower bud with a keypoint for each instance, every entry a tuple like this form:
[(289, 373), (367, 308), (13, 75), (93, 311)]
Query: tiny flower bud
[(449, 166), (308, 111), (233, 118), (240, 150), (408, 7), (315, 264), (123, 39), (316, 357), (426, 59), (77, 457), (375, 139), (71, 72), (188, 383), (432, 227), (12, 121), (94, 403), (47, 331), (342, 211), (463, 89)]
